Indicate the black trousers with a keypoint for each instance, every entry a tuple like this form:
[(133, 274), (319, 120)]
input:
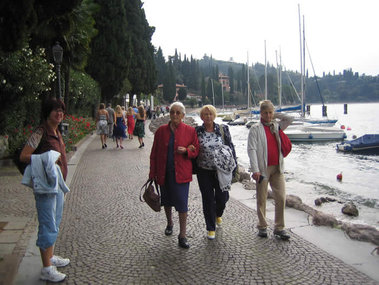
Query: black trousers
[(214, 200)]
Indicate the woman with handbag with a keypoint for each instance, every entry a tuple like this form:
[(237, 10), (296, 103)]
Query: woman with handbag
[(216, 150), (266, 163), (49, 203), (170, 166)]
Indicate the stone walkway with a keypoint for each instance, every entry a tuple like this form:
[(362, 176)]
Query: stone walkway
[(113, 238)]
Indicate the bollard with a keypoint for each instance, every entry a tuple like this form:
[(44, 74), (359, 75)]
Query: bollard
[(324, 111), (345, 109)]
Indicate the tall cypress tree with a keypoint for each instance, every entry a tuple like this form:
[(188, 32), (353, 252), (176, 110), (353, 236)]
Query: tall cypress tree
[(142, 71), (108, 62)]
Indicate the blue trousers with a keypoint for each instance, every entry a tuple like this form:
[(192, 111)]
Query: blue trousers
[(49, 210), (214, 200)]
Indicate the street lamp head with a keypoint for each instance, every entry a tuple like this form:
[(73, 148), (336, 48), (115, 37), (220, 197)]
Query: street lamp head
[(57, 53)]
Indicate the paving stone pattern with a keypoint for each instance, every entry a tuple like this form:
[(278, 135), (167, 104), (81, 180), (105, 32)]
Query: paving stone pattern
[(113, 238)]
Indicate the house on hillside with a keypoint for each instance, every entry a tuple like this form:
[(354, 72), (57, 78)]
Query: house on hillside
[(178, 86), (224, 80)]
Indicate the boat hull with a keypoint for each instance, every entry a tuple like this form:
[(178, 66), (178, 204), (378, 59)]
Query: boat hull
[(319, 134)]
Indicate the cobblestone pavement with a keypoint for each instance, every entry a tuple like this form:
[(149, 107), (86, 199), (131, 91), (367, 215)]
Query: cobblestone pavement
[(18, 220), (113, 238)]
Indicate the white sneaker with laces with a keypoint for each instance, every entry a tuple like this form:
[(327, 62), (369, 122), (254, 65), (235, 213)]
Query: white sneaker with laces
[(59, 261), (51, 274)]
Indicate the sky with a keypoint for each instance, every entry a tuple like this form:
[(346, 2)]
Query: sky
[(340, 34)]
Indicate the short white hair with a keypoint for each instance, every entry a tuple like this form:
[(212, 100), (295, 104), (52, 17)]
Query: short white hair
[(180, 105)]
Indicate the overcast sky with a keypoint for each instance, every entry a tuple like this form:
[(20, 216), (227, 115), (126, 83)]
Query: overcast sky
[(340, 34)]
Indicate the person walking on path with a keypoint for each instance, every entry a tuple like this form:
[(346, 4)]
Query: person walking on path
[(130, 121), (102, 118), (174, 145), (49, 201), (139, 129), (119, 127), (111, 120), (266, 162), (215, 144)]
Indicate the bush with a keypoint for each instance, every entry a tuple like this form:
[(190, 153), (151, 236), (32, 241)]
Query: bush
[(78, 128)]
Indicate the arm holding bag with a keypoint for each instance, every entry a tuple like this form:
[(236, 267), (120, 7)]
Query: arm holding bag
[(151, 195)]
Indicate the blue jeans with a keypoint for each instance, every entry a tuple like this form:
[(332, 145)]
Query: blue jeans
[(49, 210)]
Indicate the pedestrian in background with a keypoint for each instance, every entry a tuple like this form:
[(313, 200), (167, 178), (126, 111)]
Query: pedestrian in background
[(174, 145), (139, 129), (119, 127), (111, 120), (266, 163), (102, 118), (49, 202), (130, 121), (215, 165)]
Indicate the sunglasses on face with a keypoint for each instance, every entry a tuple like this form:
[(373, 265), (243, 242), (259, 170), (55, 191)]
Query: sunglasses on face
[(175, 112)]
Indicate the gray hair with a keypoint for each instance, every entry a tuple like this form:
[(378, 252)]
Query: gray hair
[(266, 104), (180, 105)]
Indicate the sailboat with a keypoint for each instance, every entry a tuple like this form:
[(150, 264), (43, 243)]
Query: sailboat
[(305, 129)]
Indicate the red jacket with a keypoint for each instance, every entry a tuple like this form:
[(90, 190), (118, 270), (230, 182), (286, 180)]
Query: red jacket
[(185, 135)]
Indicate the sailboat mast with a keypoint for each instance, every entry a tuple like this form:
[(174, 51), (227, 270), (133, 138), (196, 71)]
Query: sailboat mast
[(301, 66), (279, 74), (248, 82), (265, 73), (304, 77)]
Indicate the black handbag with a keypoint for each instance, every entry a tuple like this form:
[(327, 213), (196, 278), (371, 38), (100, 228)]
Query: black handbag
[(150, 194)]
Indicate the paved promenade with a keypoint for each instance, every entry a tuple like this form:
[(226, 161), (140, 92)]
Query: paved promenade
[(113, 238)]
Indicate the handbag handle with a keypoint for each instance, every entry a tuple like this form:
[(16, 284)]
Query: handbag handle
[(147, 185)]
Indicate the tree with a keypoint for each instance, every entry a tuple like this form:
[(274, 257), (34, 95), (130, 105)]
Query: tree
[(142, 71), (108, 62), (169, 85), (182, 94)]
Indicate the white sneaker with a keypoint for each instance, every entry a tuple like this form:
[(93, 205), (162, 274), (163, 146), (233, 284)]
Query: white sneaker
[(52, 274), (59, 261)]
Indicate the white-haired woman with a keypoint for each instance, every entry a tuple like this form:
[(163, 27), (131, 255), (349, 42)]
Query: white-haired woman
[(174, 145), (266, 163)]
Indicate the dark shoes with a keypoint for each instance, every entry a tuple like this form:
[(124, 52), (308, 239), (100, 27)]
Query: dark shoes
[(168, 231), (142, 145), (262, 233), (183, 243), (282, 235)]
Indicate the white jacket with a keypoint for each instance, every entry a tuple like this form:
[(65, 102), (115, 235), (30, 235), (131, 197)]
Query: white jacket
[(44, 175), (257, 144)]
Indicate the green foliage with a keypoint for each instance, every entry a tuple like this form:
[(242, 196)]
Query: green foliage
[(108, 62), (24, 77), (182, 94), (84, 94)]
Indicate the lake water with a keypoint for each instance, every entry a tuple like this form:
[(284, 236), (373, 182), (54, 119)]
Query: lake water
[(311, 169)]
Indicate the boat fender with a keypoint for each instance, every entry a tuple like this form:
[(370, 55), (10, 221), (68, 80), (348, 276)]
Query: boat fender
[(342, 127), (348, 128)]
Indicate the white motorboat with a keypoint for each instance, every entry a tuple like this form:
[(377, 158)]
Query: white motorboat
[(314, 134)]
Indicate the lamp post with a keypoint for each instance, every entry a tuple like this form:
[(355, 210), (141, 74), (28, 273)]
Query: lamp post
[(58, 56)]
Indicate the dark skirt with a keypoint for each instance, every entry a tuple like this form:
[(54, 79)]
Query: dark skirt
[(139, 129), (174, 194), (119, 130)]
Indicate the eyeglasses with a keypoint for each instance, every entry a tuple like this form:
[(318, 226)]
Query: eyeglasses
[(175, 112)]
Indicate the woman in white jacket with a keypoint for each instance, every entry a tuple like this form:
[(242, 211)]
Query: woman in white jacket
[(266, 162)]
